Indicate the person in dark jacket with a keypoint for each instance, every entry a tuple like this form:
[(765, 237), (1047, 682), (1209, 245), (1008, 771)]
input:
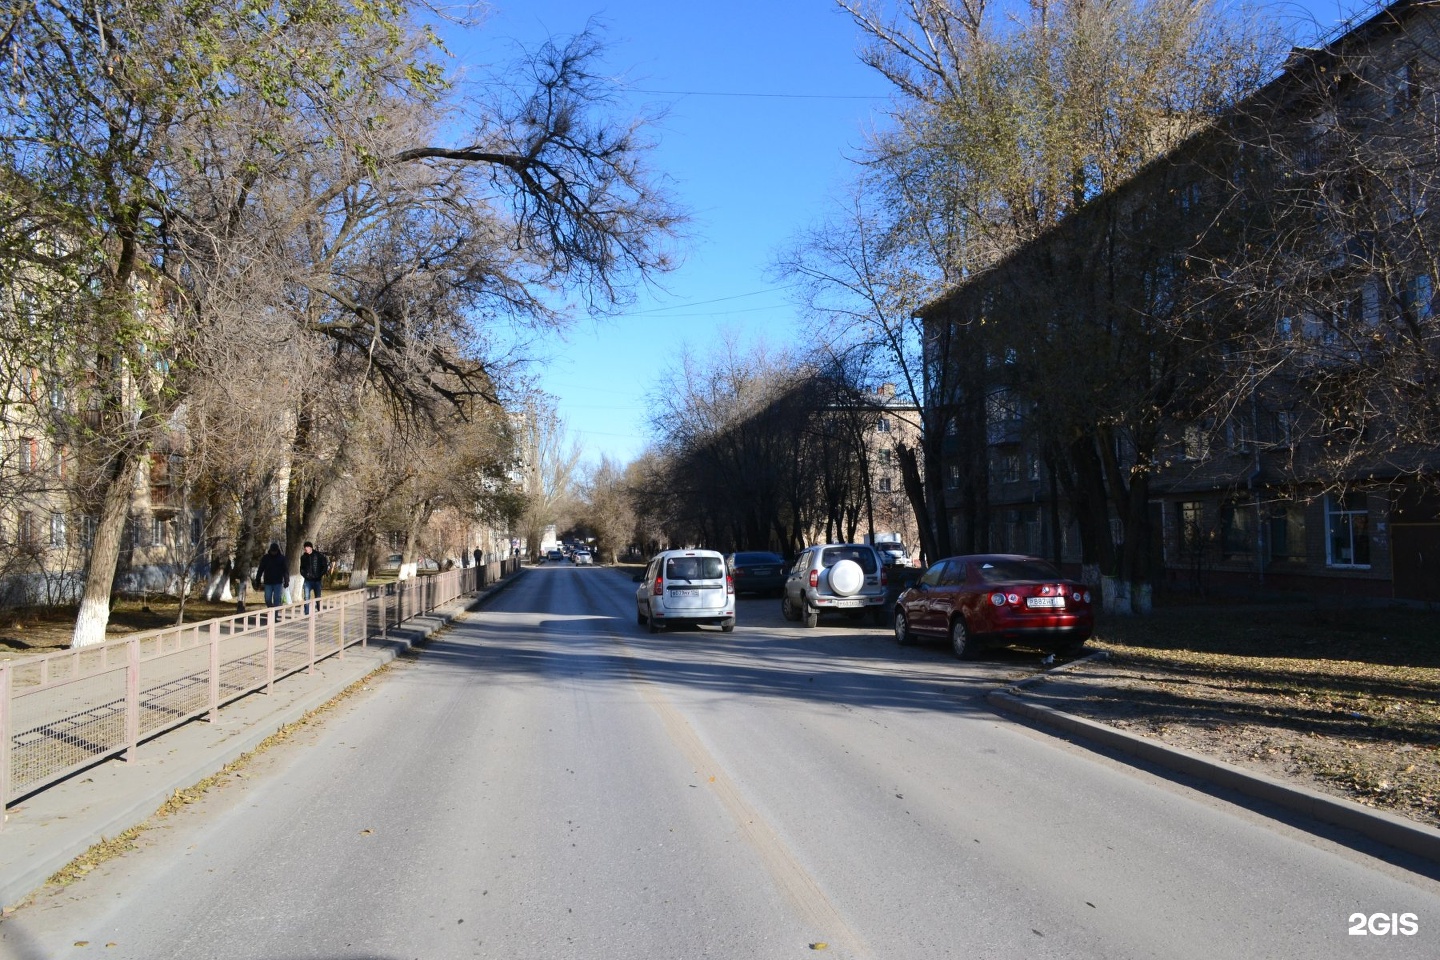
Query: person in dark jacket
[(273, 573), (313, 567)]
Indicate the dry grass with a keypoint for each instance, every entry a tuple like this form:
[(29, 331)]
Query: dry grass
[(1344, 700)]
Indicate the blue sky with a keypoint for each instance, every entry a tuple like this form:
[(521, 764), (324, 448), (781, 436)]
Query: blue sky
[(766, 102)]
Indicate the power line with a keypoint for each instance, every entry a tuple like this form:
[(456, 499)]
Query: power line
[(701, 303), (765, 96)]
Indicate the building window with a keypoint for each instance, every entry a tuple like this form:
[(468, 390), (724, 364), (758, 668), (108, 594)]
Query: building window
[(952, 427), (1237, 530), (1419, 299), (1402, 88), (1189, 527), (25, 528), (1006, 467), (57, 529), (884, 456), (29, 454), (159, 531), (1347, 530), (197, 530), (1195, 442), (952, 477), (1287, 533), (88, 525), (883, 425), (884, 484)]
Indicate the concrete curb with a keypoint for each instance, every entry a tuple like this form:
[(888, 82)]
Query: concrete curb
[(48, 830), (1388, 828)]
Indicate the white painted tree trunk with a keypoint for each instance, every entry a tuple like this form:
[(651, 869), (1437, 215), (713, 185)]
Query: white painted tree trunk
[(94, 613)]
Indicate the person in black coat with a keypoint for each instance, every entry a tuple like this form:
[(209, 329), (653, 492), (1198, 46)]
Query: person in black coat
[(273, 573), (313, 567)]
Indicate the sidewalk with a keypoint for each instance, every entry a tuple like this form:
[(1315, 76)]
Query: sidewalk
[(1043, 699), (46, 831)]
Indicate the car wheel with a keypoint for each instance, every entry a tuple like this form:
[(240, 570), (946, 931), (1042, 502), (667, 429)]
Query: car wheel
[(960, 640), (1072, 648), (902, 630), (877, 616), (787, 609), (650, 622), (728, 626), (639, 615), (812, 616)]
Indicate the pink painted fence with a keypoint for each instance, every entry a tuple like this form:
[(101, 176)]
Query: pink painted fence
[(62, 712)]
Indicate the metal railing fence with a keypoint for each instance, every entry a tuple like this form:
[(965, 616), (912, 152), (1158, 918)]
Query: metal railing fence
[(61, 712)]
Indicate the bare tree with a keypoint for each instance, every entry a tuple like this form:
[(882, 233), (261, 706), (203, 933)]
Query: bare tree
[(173, 176), (1010, 119)]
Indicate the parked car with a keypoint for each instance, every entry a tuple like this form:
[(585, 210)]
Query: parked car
[(583, 557), (845, 577), (685, 586), (758, 572), (995, 599)]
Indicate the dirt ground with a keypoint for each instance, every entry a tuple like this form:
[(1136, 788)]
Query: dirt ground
[(1344, 701)]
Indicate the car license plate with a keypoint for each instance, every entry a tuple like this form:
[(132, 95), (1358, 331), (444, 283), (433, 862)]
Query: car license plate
[(1044, 602), (849, 603), (685, 593)]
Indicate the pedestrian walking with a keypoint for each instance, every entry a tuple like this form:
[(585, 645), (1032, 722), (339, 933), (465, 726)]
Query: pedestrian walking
[(313, 567), (273, 573)]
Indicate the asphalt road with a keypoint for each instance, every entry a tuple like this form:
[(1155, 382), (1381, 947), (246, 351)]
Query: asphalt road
[(547, 780)]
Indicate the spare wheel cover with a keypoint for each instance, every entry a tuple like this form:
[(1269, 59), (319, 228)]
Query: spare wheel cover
[(846, 578)]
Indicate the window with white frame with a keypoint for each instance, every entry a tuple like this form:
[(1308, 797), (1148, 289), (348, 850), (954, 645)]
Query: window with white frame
[(1347, 530), (882, 425), (57, 529), (29, 454), (885, 485)]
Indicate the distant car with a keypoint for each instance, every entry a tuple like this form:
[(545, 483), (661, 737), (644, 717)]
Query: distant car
[(893, 552), (684, 587), (583, 557), (995, 599), (758, 572), (554, 556), (846, 578)]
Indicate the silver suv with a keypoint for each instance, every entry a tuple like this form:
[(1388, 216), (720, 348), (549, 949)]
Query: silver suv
[(844, 577)]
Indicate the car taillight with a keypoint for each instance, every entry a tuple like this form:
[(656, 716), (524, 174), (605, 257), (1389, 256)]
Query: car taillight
[(998, 599), (1013, 598), (814, 578), (659, 587), (1079, 597), (884, 578), (729, 584)]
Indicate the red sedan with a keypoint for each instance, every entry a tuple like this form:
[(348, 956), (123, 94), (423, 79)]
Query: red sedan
[(994, 599)]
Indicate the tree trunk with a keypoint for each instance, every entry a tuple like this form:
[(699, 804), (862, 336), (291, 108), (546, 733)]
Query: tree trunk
[(915, 492), (94, 613)]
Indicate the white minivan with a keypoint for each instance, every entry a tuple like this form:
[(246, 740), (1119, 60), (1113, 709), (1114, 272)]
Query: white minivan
[(685, 586)]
